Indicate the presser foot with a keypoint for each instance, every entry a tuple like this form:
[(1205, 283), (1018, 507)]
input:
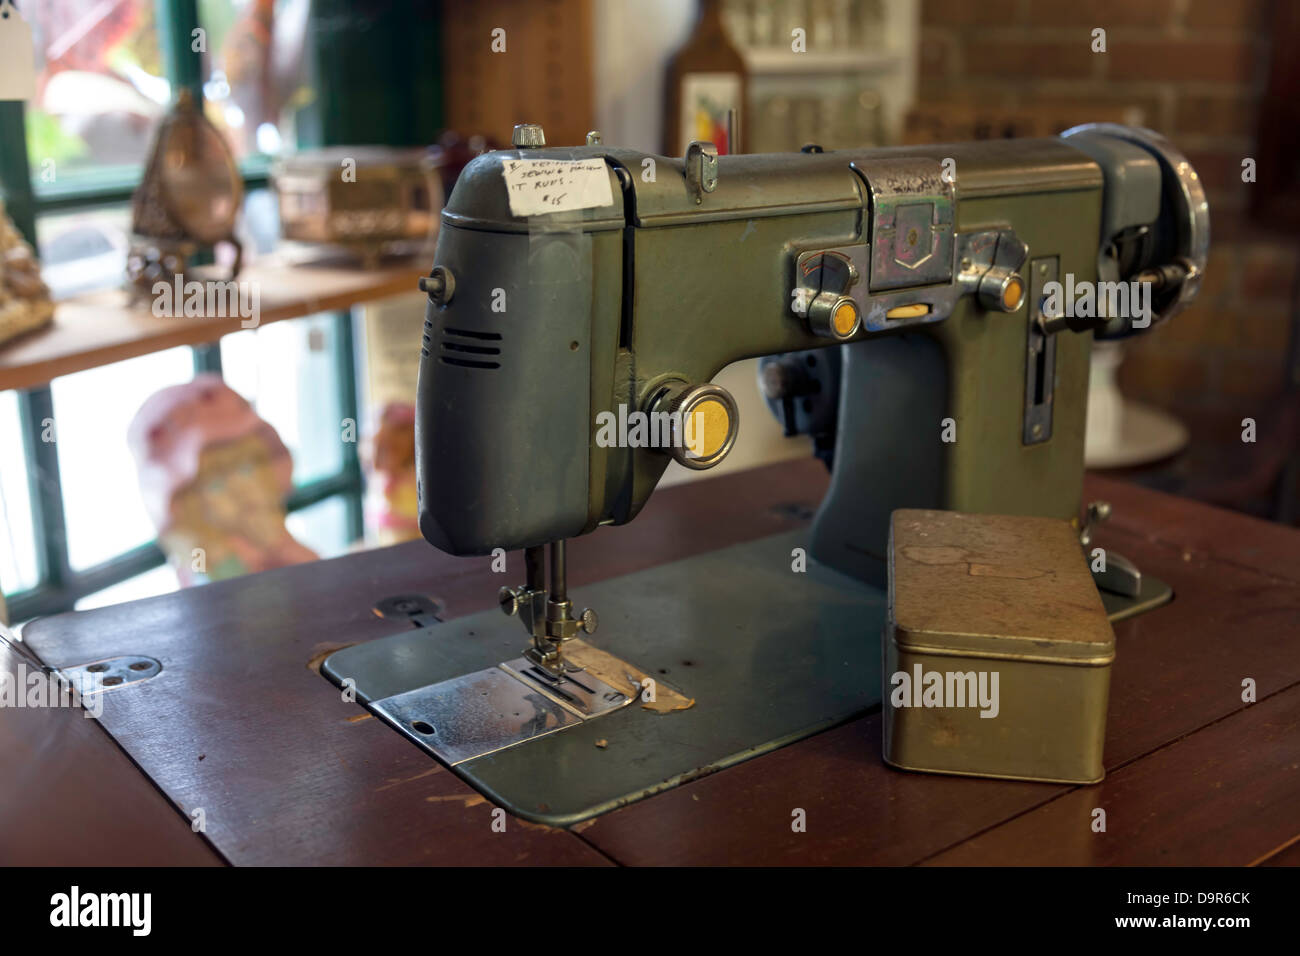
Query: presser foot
[(519, 700), (550, 630), (547, 615)]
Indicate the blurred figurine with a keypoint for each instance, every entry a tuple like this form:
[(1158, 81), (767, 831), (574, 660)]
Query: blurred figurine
[(392, 509), (24, 298), (214, 478), (189, 198)]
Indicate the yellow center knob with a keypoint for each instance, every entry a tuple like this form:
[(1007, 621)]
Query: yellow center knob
[(1001, 289), (846, 318), (1012, 293), (702, 422), (708, 426), (833, 315)]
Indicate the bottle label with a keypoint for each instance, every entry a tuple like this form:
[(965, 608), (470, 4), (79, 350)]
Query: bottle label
[(706, 98), (17, 55)]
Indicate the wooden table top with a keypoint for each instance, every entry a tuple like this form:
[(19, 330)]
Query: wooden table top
[(286, 773)]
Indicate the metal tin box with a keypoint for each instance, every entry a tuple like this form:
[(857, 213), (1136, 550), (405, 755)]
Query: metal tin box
[(366, 198), (997, 649)]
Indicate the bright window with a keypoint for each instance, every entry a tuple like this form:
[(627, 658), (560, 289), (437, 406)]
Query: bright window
[(101, 494), (73, 528), (289, 372), (100, 88), (18, 568), (84, 251), (323, 527)]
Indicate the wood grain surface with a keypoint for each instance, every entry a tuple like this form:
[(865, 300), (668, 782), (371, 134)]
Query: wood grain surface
[(1226, 796), (68, 795), (103, 327), (1177, 674), (240, 725)]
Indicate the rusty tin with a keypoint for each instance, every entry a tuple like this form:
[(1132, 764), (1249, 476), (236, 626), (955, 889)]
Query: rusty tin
[(369, 199), (1004, 611)]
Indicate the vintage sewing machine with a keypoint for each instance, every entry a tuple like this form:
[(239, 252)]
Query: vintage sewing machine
[(920, 315)]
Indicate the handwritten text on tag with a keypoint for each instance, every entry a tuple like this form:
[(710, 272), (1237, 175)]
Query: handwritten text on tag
[(537, 186)]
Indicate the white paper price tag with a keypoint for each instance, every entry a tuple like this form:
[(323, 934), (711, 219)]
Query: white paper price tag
[(537, 186), (17, 55)]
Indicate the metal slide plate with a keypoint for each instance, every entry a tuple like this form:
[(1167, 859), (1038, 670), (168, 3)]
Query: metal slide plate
[(770, 656), (473, 715), (490, 710)]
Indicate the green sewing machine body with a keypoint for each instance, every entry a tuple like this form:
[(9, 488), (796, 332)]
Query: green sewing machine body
[(953, 388)]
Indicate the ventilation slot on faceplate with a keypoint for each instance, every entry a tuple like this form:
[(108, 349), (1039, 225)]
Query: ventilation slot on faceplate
[(474, 353), (469, 334)]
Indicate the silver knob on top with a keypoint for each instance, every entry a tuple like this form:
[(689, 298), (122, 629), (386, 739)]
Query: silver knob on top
[(528, 136)]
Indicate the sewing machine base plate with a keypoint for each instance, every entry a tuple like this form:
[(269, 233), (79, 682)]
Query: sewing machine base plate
[(769, 655)]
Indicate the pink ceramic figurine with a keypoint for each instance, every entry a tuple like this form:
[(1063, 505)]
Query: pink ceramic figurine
[(214, 478), (392, 505)]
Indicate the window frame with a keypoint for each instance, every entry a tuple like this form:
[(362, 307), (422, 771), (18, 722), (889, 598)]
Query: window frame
[(59, 586)]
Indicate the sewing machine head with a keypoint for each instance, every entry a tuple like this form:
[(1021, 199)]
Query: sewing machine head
[(579, 311)]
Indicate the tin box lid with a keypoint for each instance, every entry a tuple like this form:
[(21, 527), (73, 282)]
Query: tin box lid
[(994, 585)]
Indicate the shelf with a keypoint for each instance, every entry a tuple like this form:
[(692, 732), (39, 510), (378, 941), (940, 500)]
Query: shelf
[(779, 60), (104, 327)]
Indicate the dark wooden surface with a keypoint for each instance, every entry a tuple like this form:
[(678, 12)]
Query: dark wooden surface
[(69, 795), (287, 773)]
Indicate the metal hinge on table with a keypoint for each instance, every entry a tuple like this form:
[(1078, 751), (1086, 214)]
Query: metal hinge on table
[(91, 678), (110, 673)]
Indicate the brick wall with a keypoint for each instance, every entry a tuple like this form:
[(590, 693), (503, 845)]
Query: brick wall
[(1194, 70)]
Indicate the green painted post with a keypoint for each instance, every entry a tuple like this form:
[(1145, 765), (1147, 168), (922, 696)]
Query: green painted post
[(35, 406), (15, 173), (377, 73), (182, 64)]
